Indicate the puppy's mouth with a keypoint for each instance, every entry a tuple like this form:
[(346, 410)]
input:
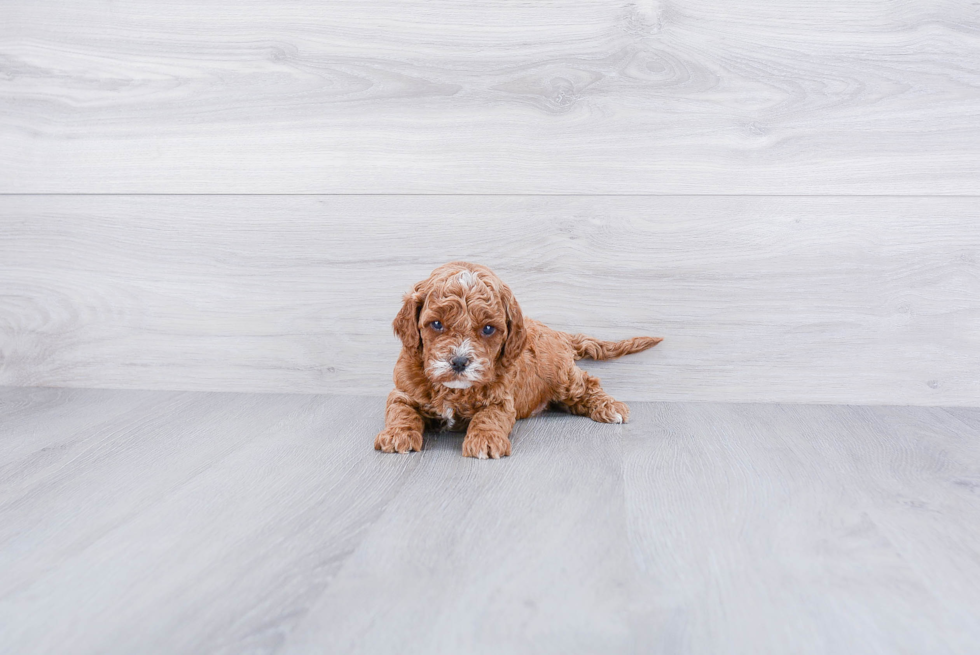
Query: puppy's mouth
[(454, 373)]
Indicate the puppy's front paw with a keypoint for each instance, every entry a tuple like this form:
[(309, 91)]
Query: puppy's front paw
[(486, 443), (611, 411), (398, 440)]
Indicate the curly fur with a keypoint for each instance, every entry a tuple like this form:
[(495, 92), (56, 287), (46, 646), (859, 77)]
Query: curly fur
[(518, 370)]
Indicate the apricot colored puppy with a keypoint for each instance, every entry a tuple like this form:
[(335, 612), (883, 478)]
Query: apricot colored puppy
[(471, 360)]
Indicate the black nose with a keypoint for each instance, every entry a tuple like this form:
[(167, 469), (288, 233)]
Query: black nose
[(459, 363)]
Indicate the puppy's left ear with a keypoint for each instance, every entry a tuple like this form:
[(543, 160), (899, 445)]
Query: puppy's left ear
[(516, 334)]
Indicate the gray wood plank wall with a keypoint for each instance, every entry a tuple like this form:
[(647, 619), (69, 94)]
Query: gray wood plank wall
[(441, 96), (823, 299), (843, 293)]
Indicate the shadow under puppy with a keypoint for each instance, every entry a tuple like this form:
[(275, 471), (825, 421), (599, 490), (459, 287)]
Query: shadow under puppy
[(470, 359)]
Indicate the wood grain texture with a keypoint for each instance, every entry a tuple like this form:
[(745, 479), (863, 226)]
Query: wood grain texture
[(751, 521), (226, 523), (193, 522), (846, 300), (576, 96)]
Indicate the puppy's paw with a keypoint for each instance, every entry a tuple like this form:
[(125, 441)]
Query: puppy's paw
[(611, 411), (398, 440), (486, 443)]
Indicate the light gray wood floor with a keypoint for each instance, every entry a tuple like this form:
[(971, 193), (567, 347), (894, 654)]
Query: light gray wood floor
[(163, 522)]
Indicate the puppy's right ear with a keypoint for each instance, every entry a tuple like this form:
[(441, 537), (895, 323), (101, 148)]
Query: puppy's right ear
[(406, 323)]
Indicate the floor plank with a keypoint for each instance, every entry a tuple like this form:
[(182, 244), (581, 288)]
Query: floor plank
[(570, 96), (206, 525), (228, 523), (764, 299), (523, 555), (774, 528)]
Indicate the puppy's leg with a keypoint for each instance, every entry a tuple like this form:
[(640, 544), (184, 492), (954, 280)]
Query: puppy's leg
[(403, 426), (582, 394), (489, 432)]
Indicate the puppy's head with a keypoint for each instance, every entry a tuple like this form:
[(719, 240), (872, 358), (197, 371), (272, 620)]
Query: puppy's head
[(462, 324)]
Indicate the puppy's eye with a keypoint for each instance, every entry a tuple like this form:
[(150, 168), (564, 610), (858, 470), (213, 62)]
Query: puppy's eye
[(488, 330), (436, 325)]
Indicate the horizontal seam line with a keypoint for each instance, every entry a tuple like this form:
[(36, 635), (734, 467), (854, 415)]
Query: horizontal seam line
[(519, 195)]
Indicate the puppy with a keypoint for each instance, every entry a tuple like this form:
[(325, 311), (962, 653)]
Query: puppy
[(471, 360)]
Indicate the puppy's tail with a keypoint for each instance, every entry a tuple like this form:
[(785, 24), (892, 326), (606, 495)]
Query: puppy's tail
[(589, 348)]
